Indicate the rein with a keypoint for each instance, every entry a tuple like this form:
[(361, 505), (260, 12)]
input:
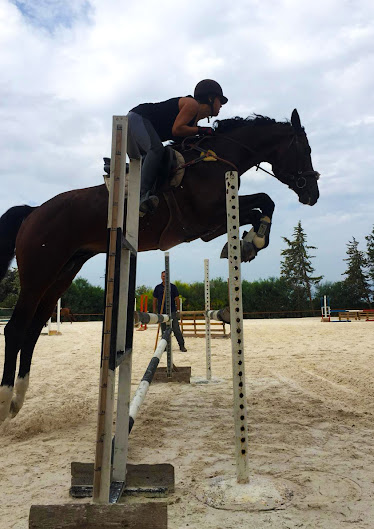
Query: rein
[(300, 179), (302, 175), (203, 151)]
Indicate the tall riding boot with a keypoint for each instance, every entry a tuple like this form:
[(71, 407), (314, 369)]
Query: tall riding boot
[(148, 200)]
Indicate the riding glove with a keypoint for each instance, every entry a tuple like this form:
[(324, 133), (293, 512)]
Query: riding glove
[(205, 131)]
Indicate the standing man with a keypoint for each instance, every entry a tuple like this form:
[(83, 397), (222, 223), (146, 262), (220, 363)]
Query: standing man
[(158, 297)]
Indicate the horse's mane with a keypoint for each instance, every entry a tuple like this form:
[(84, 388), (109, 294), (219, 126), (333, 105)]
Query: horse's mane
[(224, 125), (254, 120)]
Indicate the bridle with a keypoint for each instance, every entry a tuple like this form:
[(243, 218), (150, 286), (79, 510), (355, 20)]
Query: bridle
[(302, 176)]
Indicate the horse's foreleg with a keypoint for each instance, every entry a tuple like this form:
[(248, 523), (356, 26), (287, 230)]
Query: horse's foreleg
[(256, 210)]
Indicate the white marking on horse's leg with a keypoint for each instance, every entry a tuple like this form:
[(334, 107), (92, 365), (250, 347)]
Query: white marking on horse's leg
[(6, 393), (19, 394), (258, 239)]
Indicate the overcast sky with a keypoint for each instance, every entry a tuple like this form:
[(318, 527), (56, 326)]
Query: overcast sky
[(68, 66)]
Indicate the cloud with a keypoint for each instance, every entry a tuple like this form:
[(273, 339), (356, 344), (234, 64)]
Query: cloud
[(68, 66)]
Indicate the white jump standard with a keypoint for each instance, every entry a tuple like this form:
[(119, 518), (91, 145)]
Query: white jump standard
[(110, 473), (208, 337), (244, 492)]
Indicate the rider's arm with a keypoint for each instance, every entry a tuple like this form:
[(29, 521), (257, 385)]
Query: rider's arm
[(188, 109)]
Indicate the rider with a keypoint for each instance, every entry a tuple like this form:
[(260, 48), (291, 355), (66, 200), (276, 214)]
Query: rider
[(152, 123)]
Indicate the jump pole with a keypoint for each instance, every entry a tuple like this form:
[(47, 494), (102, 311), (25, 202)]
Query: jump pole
[(236, 323), (170, 373), (207, 321), (118, 328), (146, 381), (117, 337), (58, 321), (169, 349), (58, 315)]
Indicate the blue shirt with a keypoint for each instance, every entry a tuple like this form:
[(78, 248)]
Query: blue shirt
[(158, 293)]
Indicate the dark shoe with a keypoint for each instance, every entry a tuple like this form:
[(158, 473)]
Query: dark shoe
[(183, 349), (148, 204)]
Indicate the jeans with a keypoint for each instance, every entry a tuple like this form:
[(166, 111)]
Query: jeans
[(144, 142)]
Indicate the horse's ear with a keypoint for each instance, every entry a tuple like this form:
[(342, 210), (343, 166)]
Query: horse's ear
[(295, 121)]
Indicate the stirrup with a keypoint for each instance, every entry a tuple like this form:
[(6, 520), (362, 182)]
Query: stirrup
[(148, 204)]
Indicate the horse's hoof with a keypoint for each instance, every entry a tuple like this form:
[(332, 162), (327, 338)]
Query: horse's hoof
[(225, 252), (6, 393), (14, 408), (248, 251)]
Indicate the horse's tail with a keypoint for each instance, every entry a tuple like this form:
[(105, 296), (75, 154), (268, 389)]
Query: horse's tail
[(10, 223)]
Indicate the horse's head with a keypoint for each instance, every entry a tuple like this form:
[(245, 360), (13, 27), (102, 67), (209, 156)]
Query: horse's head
[(292, 164)]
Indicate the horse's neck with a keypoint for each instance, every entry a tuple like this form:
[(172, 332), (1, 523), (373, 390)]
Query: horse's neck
[(255, 144)]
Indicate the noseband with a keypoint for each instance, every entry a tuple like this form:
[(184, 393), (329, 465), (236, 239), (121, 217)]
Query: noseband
[(301, 178)]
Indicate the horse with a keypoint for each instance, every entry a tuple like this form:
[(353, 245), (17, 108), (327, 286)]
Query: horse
[(53, 241), (66, 314)]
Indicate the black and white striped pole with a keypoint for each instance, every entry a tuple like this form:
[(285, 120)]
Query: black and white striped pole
[(146, 381)]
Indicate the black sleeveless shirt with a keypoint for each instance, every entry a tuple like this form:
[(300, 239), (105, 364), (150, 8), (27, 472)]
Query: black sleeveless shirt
[(162, 116)]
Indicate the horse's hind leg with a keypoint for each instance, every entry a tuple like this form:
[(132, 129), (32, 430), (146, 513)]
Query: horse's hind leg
[(14, 335), (43, 313), (46, 306)]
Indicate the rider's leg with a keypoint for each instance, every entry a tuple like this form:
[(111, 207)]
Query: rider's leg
[(144, 140)]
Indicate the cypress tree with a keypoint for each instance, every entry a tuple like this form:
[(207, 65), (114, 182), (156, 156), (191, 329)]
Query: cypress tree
[(370, 255), (297, 269), (357, 281)]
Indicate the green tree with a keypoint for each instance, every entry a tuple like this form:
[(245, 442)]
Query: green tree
[(370, 255), (297, 269), (338, 294), (357, 281), (10, 289), (84, 298), (266, 295)]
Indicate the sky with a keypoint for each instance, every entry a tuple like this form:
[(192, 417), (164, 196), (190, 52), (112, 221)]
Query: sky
[(68, 66)]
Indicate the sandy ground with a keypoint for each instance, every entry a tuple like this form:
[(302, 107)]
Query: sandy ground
[(310, 395)]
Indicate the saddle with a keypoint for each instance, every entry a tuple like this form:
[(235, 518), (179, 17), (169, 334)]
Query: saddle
[(170, 174)]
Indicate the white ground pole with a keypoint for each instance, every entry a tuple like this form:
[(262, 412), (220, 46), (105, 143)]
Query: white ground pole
[(236, 324), (117, 336), (169, 350), (143, 387), (207, 321)]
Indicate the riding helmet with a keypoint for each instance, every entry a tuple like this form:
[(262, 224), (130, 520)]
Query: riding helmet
[(208, 87)]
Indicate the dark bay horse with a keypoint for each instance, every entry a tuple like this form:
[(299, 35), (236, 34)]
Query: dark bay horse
[(53, 241)]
